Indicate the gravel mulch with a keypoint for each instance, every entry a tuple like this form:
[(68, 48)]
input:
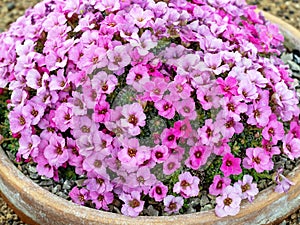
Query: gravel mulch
[(289, 11)]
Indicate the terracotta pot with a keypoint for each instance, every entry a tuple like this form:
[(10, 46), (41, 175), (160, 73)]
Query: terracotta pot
[(35, 205)]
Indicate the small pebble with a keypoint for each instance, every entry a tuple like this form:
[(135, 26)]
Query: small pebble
[(10, 6)]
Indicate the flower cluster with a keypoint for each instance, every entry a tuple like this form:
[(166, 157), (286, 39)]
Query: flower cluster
[(138, 96)]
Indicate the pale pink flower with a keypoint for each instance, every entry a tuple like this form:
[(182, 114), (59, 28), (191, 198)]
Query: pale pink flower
[(228, 204)]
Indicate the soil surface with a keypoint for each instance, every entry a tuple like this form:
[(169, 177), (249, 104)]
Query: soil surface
[(10, 10)]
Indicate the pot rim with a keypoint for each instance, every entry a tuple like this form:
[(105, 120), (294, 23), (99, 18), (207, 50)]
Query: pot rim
[(11, 177)]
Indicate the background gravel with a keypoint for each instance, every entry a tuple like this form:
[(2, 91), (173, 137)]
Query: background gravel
[(10, 10)]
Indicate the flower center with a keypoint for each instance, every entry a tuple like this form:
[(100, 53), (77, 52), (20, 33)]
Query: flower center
[(132, 152), (228, 163), (22, 121), (67, 116), (158, 190), (166, 107), (171, 137), (141, 179), (134, 203), (173, 206), (97, 163), (138, 77), (230, 107), (103, 111), (271, 131), (186, 109), (229, 124), (227, 201), (158, 155), (133, 120), (85, 129), (256, 113), (34, 113), (198, 154), (104, 87), (209, 132), (184, 184), (256, 160), (99, 181), (220, 184), (59, 150), (100, 198), (171, 165), (245, 187), (81, 197)]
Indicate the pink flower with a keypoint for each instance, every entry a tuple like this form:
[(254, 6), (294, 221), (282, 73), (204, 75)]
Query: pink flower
[(198, 156), (17, 120), (218, 185), (180, 88), (283, 183), (140, 17), (249, 189), (63, 118), (160, 153), (206, 133), (158, 191), (118, 57), (79, 196), (134, 118), (231, 165), (165, 108), (102, 112), (187, 186), (104, 83), (259, 114), (133, 204), (247, 90), (228, 204), (56, 152), (94, 164), (137, 77), (173, 204), (228, 87), (155, 89), (171, 165), (169, 137), (291, 146), (28, 145), (233, 107), (270, 147), (101, 200), (274, 130), (257, 159), (186, 108)]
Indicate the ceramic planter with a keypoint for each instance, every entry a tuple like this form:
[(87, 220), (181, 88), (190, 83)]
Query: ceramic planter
[(35, 205)]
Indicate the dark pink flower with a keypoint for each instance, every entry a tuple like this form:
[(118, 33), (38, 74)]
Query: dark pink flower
[(198, 156), (218, 185), (231, 165), (158, 191), (165, 108), (160, 153)]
